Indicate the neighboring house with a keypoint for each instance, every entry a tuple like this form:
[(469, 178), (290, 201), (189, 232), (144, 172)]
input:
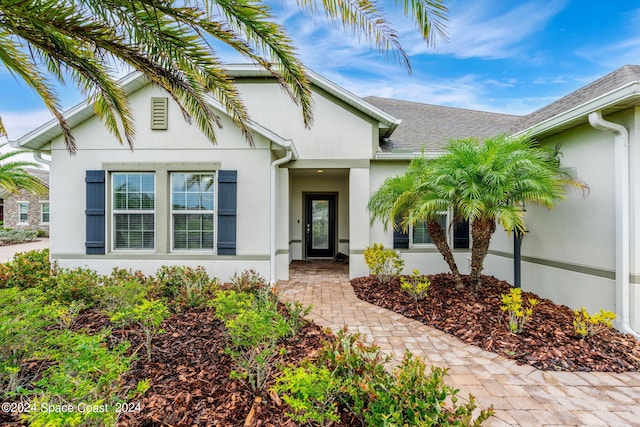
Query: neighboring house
[(302, 193), (26, 210)]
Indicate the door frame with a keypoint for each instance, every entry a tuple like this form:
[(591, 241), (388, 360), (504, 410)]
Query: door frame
[(333, 222)]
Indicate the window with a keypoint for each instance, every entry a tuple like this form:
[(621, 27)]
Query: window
[(192, 210), (23, 212), (420, 233), (134, 210), (44, 212)]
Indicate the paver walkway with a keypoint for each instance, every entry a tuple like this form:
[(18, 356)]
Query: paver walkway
[(521, 395)]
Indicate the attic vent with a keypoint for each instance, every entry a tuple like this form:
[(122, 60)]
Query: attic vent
[(159, 116)]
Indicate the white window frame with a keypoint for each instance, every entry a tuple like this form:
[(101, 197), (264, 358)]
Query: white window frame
[(115, 211), (213, 212), (20, 203), (42, 204), (447, 232)]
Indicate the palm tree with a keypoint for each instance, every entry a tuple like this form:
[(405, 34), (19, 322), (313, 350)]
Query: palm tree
[(171, 44), (406, 200), (14, 177), (488, 183), (484, 183)]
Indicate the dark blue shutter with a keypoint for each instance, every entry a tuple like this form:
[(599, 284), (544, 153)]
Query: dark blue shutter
[(95, 212), (461, 235), (400, 238), (227, 206)]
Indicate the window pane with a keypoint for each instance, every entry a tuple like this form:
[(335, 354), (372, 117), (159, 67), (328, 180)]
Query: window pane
[(193, 192), (421, 233), (192, 231), (134, 192), (179, 201)]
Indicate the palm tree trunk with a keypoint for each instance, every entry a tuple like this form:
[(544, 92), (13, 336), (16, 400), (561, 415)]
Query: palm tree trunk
[(481, 232), (440, 240)]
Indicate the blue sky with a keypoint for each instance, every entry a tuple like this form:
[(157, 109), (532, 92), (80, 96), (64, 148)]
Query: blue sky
[(503, 56)]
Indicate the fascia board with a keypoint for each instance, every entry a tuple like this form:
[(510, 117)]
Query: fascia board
[(607, 100)]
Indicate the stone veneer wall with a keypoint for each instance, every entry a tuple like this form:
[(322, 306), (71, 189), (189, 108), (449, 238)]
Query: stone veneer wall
[(34, 212)]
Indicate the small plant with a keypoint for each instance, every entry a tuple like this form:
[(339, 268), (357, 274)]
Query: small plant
[(248, 281), (254, 327), (12, 237), (416, 285), (385, 264), (296, 316), (80, 284), (406, 397), (65, 314), (27, 270), (23, 328), (183, 286), (311, 392), (587, 325), (122, 296), (518, 314), (149, 314), (85, 374)]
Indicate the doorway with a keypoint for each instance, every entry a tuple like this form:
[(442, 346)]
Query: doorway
[(320, 225)]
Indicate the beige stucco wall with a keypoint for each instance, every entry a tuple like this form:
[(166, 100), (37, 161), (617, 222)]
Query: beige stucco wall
[(338, 131), (181, 143)]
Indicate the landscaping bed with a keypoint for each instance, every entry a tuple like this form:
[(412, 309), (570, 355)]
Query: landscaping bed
[(548, 340), (181, 349)]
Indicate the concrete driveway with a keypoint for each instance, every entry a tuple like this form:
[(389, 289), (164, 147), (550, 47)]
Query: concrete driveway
[(7, 252)]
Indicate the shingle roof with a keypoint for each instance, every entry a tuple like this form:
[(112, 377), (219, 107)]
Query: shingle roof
[(612, 81), (431, 126)]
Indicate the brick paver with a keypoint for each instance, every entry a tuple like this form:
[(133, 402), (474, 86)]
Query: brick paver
[(521, 394)]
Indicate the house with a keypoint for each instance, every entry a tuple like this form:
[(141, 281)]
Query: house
[(302, 193), (25, 210)]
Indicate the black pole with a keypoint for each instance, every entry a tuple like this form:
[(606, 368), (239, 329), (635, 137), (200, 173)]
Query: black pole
[(517, 257)]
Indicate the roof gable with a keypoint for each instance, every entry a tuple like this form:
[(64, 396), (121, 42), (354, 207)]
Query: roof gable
[(44, 134)]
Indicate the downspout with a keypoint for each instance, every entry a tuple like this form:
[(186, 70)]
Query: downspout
[(621, 161), (289, 152)]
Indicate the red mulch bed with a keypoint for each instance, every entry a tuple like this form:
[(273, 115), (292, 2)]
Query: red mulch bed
[(548, 341), (189, 373)]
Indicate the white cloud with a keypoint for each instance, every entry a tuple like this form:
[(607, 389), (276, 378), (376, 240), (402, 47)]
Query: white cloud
[(19, 124), (467, 91), (480, 29)]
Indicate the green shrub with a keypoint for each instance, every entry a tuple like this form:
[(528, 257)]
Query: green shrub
[(26, 270), (122, 296), (149, 314), (408, 397), (23, 323), (311, 392), (254, 326), (518, 315), (248, 281), (66, 314), (69, 285), (86, 374), (12, 237), (385, 264), (183, 286), (120, 275), (587, 325), (296, 313), (416, 285)]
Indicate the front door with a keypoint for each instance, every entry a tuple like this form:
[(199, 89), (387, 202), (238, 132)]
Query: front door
[(320, 225)]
